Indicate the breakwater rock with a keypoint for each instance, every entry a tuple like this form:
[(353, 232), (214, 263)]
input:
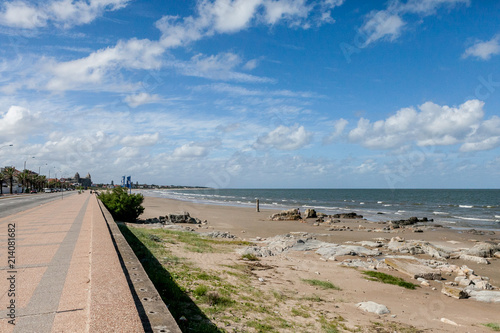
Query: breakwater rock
[(286, 215)]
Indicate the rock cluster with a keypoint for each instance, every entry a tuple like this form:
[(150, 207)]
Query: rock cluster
[(311, 213), (184, 217), (410, 221), (347, 216), (287, 215), (219, 234)]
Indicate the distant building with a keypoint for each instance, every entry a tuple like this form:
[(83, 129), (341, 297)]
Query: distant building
[(79, 181)]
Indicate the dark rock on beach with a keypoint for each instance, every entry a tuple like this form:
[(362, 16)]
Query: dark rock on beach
[(286, 215), (347, 216), (410, 221)]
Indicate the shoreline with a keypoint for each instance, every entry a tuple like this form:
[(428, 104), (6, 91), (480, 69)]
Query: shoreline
[(374, 207)]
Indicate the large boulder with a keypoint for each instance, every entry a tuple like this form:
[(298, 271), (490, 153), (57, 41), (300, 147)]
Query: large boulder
[(373, 307), (184, 217), (347, 216), (484, 250), (310, 213), (414, 268), (287, 215), (455, 292), (488, 296), (417, 247)]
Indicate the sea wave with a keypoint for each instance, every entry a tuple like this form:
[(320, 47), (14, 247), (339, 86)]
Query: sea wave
[(465, 206), (473, 219)]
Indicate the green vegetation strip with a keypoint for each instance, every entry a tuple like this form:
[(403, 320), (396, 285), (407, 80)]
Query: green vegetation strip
[(389, 279), (494, 326), (322, 284)]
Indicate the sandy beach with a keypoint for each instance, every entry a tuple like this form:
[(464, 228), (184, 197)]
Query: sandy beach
[(424, 309)]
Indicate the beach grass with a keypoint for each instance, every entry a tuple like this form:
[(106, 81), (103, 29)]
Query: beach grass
[(494, 326), (321, 284), (389, 279)]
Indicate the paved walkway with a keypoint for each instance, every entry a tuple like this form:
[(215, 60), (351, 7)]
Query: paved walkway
[(66, 276)]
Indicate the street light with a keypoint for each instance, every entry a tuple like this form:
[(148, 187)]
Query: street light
[(6, 146), (27, 161)]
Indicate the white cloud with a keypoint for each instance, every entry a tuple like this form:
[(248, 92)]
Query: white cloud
[(229, 16), (92, 70), (284, 138), (141, 99), (20, 14), (431, 125), (189, 151), (388, 24), (18, 121), (338, 129), (484, 50), (217, 67), (251, 64), (140, 140), (382, 25)]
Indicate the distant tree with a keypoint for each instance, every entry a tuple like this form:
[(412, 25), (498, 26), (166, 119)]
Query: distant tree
[(24, 178), (2, 178), (9, 174)]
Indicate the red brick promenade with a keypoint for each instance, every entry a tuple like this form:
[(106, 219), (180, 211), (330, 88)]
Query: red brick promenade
[(66, 276)]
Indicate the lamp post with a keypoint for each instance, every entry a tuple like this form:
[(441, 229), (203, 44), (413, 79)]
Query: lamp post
[(27, 161), (6, 146)]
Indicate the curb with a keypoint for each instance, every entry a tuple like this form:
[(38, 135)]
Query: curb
[(154, 314)]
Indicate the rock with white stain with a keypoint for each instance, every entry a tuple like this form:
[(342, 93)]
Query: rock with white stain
[(487, 296), (373, 307), (475, 259), (449, 322)]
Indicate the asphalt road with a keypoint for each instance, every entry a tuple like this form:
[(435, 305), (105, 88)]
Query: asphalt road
[(14, 204)]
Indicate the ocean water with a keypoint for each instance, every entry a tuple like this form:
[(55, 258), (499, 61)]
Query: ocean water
[(451, 207)]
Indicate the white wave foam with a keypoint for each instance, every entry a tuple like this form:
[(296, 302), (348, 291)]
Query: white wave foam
[(439, 213), (465, 206), (473, 219)]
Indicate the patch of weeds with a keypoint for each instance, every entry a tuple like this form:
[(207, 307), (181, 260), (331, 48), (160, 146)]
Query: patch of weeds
[(250, 257), (334, 326), (154, 238), (322, 284), (300, 312), (279, 296), (312, 298), (207, 277), (494, 326), (328, 326), (389, 279), (213, 298), (390, 327), (260, 326), (201, 290)]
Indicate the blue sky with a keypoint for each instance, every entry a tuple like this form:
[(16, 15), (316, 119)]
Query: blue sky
[(254, 93)]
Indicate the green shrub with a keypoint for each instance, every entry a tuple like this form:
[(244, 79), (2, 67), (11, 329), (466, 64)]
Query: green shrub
[(201, 290), (123, 206), (494, 326)]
